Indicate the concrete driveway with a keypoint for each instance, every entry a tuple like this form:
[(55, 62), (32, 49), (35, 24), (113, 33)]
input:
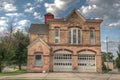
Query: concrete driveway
[(63, 76)]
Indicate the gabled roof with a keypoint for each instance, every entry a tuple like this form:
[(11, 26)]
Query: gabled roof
[(36, 40), (82, 17), (39, 28), (78, 13)]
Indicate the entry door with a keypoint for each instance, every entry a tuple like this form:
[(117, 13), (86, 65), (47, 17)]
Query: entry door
[(62, 61), (86, 62)]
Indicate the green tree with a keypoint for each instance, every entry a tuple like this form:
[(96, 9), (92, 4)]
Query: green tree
[(20, 46), (6, 52), (107, 56), (118, 58)]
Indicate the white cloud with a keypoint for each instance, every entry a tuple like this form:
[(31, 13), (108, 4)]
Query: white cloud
[(59, 5), (1, 31), (3, 18), (106, 9), (23, 22), (40, 1), (8, 7), (88, 9), (3, 21), (115, 24), (29, 10), (14, 14), (28, 4), (37, 15)]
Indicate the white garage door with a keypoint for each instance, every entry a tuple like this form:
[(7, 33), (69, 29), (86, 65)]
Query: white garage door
[(86, 62), (62, 61)]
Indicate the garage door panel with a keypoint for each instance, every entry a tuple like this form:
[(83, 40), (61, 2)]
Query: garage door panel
[(62, 61), (86, 62)]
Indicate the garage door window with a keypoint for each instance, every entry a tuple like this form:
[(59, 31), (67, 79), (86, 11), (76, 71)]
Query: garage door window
[(38, 60)]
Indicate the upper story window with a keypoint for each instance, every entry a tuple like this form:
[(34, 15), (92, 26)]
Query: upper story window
[(74, 36), (41, 37), (57, 35), (92, 36), (38, 60)]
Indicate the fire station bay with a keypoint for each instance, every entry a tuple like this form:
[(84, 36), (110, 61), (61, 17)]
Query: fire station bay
[(70, 44)]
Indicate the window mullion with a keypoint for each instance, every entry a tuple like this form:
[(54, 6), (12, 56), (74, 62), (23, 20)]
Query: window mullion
[(76, 36), (71, 36)]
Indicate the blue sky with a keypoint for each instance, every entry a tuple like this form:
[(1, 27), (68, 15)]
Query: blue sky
[(26, 12)]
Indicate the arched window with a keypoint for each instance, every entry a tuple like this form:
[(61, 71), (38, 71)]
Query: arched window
[(74, 36)]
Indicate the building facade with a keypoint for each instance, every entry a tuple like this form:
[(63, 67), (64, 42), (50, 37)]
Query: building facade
[(71, 44)]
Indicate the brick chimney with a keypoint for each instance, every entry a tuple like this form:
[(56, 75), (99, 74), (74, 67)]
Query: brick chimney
[(47, 17)]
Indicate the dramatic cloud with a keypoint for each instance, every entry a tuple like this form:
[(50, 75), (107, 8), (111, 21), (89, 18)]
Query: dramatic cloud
[(14, 14), (29, 10), (115, 24), (108, 10), (1, 31), (88, 9), (8, 7), (3, 21), (23, 22), (37, 15), (39, 1), (59, 5)]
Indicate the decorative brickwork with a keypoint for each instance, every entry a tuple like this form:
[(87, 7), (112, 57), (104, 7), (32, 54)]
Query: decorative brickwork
[(48, 48)]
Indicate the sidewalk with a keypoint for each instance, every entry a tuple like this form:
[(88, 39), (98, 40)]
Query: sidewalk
[(63, 76)]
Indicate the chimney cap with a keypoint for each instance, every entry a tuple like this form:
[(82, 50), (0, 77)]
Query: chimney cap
[(48, 14)]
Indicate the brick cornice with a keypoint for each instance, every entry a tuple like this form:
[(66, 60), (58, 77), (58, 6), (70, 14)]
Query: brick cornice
[(74, 45)]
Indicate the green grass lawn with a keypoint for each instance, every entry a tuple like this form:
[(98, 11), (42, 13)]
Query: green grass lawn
[(13, 73)]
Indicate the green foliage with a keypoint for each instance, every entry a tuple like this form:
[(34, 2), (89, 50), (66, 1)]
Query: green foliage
[(20, 46), (104, 67), (118, 58), (6, 52), (13, 50), (107, 56), (17, 72)]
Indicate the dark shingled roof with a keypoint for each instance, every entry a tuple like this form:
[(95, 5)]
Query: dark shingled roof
[(39, 28)]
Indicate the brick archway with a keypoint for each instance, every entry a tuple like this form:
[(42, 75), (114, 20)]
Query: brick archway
[(62, 50), (87, 50)]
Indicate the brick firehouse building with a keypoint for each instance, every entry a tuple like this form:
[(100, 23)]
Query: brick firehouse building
[(70, 44)]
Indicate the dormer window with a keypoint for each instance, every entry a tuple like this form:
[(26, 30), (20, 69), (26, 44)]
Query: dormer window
[(74, 36), (41, 36)]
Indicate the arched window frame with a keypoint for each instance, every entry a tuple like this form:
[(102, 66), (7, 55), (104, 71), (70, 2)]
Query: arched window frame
[(73, 35)]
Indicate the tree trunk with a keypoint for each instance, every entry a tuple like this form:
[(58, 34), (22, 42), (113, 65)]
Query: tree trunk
[(19, 66), (0, 67)]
